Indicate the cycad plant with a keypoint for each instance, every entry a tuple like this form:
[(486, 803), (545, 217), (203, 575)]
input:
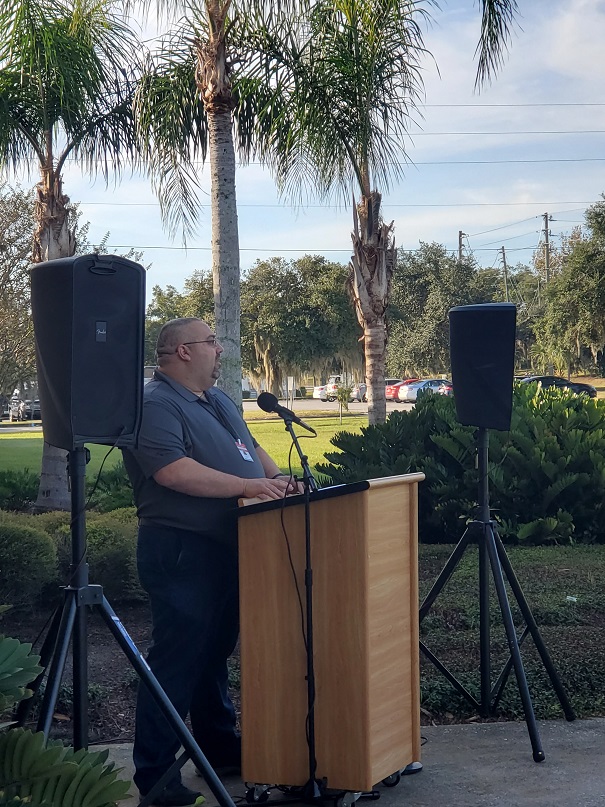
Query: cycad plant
[(546, 475), (40, 773)]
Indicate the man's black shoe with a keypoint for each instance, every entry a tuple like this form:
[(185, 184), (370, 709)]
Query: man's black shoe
[(176, 796)]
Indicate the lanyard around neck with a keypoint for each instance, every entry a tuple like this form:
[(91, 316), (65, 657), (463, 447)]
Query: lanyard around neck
[(216, 409)]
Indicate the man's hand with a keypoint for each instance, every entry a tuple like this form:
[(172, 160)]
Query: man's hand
[(294, 485), (265, 489)]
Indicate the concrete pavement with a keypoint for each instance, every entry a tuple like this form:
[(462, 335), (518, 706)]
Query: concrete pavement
[(477, 765)]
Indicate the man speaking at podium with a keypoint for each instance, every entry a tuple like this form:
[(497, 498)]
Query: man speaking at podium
[(195, 458)]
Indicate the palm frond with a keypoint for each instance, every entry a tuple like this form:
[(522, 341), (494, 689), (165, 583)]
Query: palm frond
[(497, 20), (348, 80), (67, 75), (173, 130)]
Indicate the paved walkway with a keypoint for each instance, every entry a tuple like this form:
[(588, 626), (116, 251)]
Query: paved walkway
[(479, 765)]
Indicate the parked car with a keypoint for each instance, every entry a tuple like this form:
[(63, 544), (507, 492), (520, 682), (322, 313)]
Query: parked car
[(30, 410), (332, 385), (14, 409), (561, 383), (327, 391), (392, 389), (358, 393), (320, 392), (410, 392)]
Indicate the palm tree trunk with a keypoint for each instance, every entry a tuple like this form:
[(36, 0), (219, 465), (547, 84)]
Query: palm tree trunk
[(375, 346), (225, 250), (212, 78), (52, 239), (372, 265)]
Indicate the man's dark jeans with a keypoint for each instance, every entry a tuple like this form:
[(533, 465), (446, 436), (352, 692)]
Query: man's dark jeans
[(193, 587)]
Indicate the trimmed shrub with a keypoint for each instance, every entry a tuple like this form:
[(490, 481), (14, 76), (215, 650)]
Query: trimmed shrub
[(111, 555), (18, 489), (28, 561), (112, 490), (547, 474)]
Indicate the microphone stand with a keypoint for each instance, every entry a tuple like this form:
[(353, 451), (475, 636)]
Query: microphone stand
[(312, 790)]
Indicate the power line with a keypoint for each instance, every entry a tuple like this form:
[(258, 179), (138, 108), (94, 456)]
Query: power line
[(521, 132), (279, 250), (487, 106), (306, 250), (342, 207), (512, 238), (413, 163), (496, 249), (503, 227)]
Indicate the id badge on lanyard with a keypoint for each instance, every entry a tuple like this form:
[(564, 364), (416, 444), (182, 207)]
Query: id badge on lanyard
[(216, 409), (241, 447)]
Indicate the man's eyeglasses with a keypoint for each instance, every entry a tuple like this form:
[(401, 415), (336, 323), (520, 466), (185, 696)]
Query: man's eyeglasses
[(211, 341)]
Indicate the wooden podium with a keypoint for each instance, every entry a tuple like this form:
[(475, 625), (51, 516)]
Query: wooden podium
[(364, 554)]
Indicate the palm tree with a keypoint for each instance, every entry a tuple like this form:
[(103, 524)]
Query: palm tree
[(196, 101), (327, 104), (66, 84), (184, 108), (349, 79)]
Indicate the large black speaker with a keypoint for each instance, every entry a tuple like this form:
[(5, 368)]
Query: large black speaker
[(89, 323), (482, 352)]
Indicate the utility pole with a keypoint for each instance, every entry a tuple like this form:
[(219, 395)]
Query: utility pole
[(547, 246), (460, 237), (547, 218), (505, 274)]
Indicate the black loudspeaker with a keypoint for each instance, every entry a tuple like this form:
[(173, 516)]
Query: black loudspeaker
[(482, 352), (89, 323)]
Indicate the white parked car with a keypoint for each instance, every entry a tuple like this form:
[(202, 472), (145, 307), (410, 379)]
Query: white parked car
[(329, 390), (320, 392), (358, 393), (410, 392)]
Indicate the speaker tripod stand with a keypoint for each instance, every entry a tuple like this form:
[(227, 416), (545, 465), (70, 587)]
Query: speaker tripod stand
[(69, 624), (492, 556)]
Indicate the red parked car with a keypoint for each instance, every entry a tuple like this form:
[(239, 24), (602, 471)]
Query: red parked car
[(392, 389)]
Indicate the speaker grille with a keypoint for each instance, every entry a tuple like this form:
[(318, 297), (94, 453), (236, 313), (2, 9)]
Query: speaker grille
[(482, 351), (89, 323)]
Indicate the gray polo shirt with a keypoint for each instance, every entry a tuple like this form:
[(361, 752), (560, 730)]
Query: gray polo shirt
[(176, 423)]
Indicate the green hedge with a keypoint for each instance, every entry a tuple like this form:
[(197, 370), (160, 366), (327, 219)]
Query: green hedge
[(111, 490), (28, 561), (36, 553), (546, 475), (18, 489)]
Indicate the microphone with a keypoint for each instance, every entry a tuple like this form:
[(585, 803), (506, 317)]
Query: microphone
[(269, 403)]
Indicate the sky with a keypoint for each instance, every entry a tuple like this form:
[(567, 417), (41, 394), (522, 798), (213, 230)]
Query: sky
[(489, 164)]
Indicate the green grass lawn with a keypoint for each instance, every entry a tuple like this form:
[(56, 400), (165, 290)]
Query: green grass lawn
[(562, 588), (20, 450)]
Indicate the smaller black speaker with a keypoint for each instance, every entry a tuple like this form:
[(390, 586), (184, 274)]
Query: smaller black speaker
[(482, 352), (89, 322)]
